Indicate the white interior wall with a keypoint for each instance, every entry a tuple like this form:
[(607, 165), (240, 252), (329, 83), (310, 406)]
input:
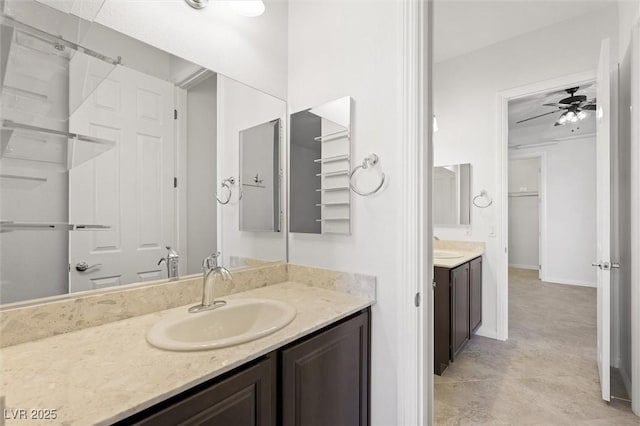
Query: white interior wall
[(570, 234), (524, 223), (241, 107), (628, 14), (467, 86), (201, 173), (343, 48), (251, 50)]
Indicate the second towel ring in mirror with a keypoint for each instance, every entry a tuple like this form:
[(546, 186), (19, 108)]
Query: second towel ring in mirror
[(227, 184), (369, 161)]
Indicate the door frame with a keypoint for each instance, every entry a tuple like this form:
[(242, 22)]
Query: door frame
[(542, 206), (502, 200), (414, 303), (635, 213)]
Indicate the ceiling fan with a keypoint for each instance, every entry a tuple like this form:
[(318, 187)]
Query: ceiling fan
[(572, 107)]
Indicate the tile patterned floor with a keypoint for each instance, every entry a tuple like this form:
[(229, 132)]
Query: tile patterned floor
[(545, 374)]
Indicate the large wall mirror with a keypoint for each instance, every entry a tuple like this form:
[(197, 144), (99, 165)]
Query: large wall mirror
[(112, 150), (452, 195)]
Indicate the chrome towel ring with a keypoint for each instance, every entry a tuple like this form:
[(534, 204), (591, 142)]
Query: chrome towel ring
[(369, 161), (227, 184), (483, 194)]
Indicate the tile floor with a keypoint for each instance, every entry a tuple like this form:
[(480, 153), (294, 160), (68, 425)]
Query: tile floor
[(545, 374)]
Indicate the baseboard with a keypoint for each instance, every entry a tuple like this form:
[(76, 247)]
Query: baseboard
[(491, 334), (569, 282), (517, 266), (625, 379)]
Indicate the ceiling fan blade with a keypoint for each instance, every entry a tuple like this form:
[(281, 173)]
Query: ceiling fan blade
[(557, 105), (537, 116), (589, 107)]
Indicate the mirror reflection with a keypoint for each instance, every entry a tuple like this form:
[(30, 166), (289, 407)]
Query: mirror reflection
[(260, 177), (452, 194), (114, 155), (320, 150)]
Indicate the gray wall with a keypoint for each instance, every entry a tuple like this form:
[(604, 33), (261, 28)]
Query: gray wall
[(303, 181), (201, 173)]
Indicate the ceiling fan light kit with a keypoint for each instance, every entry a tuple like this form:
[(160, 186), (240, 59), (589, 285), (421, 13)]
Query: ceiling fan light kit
[(574, 108)]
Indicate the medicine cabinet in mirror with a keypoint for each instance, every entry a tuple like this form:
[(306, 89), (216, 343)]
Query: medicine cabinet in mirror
[(452, 195), (320, 164), (260, 177), (113, 150)]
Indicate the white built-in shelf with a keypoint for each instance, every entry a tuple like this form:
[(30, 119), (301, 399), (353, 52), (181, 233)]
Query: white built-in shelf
[(332, 159), (339, 188)]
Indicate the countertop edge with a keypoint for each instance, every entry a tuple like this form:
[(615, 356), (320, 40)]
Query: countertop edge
[(459, 261)]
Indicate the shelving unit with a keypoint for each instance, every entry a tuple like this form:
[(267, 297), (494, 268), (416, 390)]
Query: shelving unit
[(8, 226), (335, 166), (41, 55)]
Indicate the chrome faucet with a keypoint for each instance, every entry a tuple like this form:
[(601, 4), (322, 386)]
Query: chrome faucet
[(210, 269), (173, 261)]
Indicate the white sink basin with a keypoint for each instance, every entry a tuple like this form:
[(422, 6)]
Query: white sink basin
[(447, 254), (239, 321)]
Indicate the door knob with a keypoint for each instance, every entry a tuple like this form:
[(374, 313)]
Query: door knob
[(84, 266), (606, 266)]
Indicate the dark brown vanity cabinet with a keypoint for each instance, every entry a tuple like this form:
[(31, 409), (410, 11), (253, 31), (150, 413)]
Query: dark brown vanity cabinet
[(320, 379), (475, 294), (460, 306), (457, 310), (245, 398), (325, 379)]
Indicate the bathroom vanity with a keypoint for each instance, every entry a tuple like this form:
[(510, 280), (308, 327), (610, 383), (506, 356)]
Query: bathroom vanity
[(316, 367), (319, 379), (457, 305)]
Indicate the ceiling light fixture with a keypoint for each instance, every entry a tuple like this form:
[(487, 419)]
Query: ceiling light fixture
[(249, 8), (572, 116)]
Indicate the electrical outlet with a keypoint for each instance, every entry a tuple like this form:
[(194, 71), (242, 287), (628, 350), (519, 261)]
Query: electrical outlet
[(492, 231)]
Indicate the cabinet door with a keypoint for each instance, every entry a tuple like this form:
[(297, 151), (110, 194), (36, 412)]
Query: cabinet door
[(325, 380), (441, 320), (246, 398), (460, 306), (475, 298)]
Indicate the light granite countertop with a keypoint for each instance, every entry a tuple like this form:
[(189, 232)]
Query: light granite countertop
[(467, 255), (103, 374)]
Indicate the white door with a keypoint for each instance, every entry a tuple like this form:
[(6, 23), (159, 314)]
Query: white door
[(603, 212), (129, 188)]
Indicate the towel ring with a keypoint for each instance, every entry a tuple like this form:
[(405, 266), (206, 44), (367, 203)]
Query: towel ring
[(483, 194), (227, 184), (369, 161)]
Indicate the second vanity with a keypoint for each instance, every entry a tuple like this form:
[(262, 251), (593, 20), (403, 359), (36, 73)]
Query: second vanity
[(457, 298), (317, 365)]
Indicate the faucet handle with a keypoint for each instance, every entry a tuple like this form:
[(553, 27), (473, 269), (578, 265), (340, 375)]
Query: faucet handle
[(211, 261)]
